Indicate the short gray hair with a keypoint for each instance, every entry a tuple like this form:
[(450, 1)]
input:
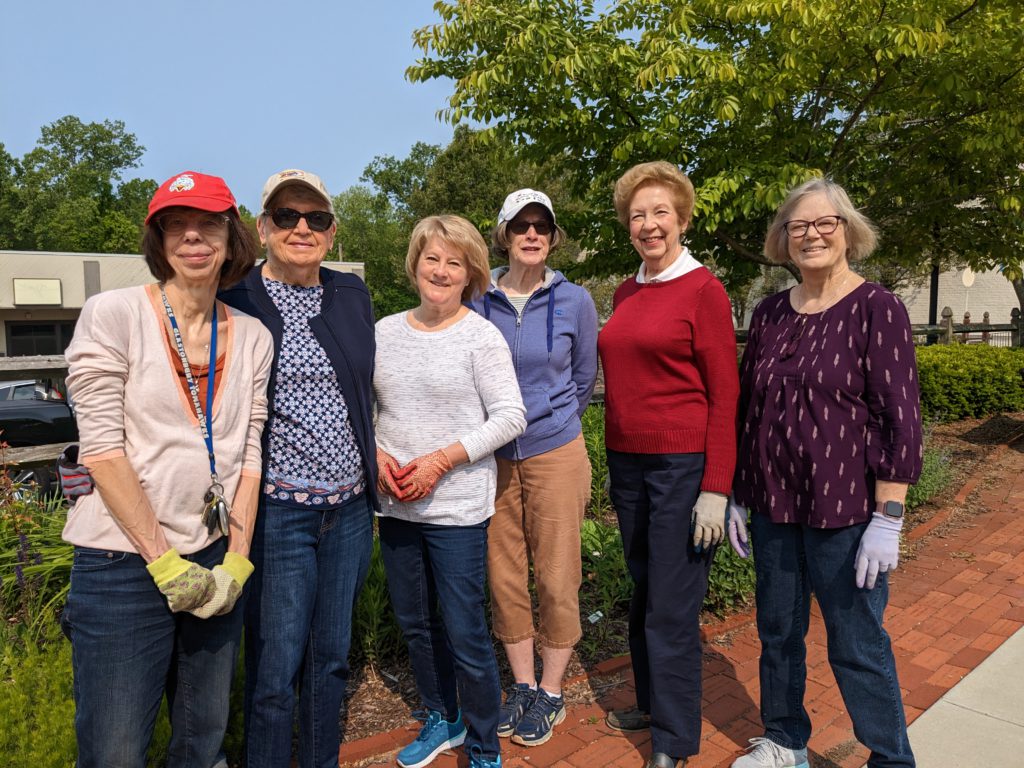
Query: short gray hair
[(861, 234)]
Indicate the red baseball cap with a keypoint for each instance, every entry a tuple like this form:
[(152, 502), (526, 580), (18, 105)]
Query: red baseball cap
[(190, 189)]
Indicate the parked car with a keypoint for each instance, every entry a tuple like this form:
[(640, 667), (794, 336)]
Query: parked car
[(35, 413)]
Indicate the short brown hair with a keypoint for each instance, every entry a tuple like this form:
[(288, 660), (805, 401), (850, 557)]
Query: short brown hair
[(242, 252), (861, 235), (459, 234), (658, 172)]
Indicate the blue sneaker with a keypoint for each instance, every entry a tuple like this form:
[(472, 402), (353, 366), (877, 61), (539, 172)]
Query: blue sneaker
[(477, 759), (518, 699), (537, 724), (436, 735)]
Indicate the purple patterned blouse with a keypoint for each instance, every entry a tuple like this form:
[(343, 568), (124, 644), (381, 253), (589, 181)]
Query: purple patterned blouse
[(829, 401)]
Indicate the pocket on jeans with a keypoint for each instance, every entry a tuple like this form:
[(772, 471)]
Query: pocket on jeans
[(86, 559)]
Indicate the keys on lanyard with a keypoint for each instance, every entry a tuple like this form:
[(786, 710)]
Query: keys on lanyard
[(216, 509)]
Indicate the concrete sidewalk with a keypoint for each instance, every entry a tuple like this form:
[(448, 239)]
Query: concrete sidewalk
[(951, 608)]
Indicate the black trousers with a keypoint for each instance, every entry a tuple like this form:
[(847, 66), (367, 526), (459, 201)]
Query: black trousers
[(653, 495)]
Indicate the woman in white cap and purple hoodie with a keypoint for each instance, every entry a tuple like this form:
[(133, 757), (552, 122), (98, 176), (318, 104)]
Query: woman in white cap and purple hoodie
[(544, 475)]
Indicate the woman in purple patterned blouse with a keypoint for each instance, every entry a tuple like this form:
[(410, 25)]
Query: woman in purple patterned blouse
[(829, 441)]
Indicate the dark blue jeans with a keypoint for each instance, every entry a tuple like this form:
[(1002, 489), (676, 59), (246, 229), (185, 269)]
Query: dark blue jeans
[(436, 580), (653, 496), (128, 649), (791, 562), (310, 567)]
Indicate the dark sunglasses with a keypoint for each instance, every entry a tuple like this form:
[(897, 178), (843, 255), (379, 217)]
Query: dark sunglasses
[(521, 227), (288, 218)]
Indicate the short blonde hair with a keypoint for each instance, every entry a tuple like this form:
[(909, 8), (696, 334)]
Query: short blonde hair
[(459, 234), (660, 173), (861, 235)]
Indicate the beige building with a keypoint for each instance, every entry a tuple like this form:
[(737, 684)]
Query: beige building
[(42, 292), (965, 291)]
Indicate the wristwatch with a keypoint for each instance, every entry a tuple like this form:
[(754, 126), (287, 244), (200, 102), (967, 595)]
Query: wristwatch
[(891, 509)]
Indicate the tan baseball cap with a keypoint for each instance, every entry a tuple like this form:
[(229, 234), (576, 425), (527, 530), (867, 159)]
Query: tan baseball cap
[(295, 177)]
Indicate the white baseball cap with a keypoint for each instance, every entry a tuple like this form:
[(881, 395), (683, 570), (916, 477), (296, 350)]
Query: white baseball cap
[(295, 177), (521, 198)]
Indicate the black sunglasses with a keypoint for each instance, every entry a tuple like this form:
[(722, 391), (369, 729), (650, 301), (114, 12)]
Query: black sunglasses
[(521, 227), (288, 218)]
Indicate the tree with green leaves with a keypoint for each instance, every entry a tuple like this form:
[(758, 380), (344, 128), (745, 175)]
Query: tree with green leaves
[(470, 177), (69, 192), (915, 106)]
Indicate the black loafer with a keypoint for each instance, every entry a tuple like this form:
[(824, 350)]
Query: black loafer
[(628, 720), (661, 760)]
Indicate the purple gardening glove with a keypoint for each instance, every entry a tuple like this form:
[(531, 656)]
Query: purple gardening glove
[(736, 524), (75, 479), (879, 549)]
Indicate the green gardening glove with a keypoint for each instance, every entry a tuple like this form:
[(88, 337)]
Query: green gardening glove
[(184, 584), (230, 577)]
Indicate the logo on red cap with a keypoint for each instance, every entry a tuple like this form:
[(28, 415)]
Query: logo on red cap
[(183, 183)]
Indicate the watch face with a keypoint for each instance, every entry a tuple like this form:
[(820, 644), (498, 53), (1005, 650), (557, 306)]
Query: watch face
[(892, 509)]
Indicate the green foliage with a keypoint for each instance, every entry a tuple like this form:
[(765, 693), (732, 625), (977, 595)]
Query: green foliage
[(936, 475), (961, 381), (370, 230), (606, 587), (69, 192), (730, 583), (916, 106), (35, 564), (593, 437), (36, 700)]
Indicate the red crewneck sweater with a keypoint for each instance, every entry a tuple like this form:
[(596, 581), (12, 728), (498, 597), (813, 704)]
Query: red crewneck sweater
[(670, 372)]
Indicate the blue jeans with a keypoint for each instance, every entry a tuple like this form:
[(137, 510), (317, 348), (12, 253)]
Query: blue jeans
[(128, 650), (791, 562), (653, 496), (310, 567), (436, 581)]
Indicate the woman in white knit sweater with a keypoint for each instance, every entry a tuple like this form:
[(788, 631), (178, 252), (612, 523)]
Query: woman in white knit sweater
[(170, 393), (447, 397)]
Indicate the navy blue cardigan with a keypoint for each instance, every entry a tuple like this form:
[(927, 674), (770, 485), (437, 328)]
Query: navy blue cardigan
[(345, 330)]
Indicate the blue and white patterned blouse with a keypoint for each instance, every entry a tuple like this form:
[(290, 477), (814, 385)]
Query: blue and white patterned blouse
[(314, 460)]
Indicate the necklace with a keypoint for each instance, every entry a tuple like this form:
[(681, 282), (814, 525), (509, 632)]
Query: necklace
[(831, 298)]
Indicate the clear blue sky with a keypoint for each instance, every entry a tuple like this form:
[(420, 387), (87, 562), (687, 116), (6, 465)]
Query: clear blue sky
[(236, 88)]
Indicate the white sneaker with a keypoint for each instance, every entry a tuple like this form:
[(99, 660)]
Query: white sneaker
[(765, 753)]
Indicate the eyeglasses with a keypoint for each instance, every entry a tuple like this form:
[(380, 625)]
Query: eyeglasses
[(826, 225), (288, 218), (521, 227), (209, 224)]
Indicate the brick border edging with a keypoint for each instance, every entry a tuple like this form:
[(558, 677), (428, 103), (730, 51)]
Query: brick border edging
[(381, 743)]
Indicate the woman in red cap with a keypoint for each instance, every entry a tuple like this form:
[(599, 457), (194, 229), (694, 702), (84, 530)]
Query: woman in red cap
[(170, 393)]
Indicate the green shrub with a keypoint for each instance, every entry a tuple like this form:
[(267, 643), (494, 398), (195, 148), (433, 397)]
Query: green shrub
[(35, 564), (936, 475), (593, 436), (961, 381), (731, 581), (36, 700)]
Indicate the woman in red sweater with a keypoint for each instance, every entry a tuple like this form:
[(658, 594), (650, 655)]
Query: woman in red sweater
[(671, 387)]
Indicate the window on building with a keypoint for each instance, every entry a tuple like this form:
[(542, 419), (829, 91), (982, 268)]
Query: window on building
[(24, 338)]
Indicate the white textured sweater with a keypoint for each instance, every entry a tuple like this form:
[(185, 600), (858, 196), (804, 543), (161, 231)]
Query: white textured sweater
[(436, 388), (129, 402)]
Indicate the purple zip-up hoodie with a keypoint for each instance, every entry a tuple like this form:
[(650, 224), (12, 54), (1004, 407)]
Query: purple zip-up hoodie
[(554, 350)]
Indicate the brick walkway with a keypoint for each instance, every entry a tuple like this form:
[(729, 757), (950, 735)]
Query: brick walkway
[(955, 602)]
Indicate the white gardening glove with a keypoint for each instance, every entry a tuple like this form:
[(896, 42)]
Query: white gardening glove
[(879, 549), (230, 576), (736, 522), (708, 519)]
